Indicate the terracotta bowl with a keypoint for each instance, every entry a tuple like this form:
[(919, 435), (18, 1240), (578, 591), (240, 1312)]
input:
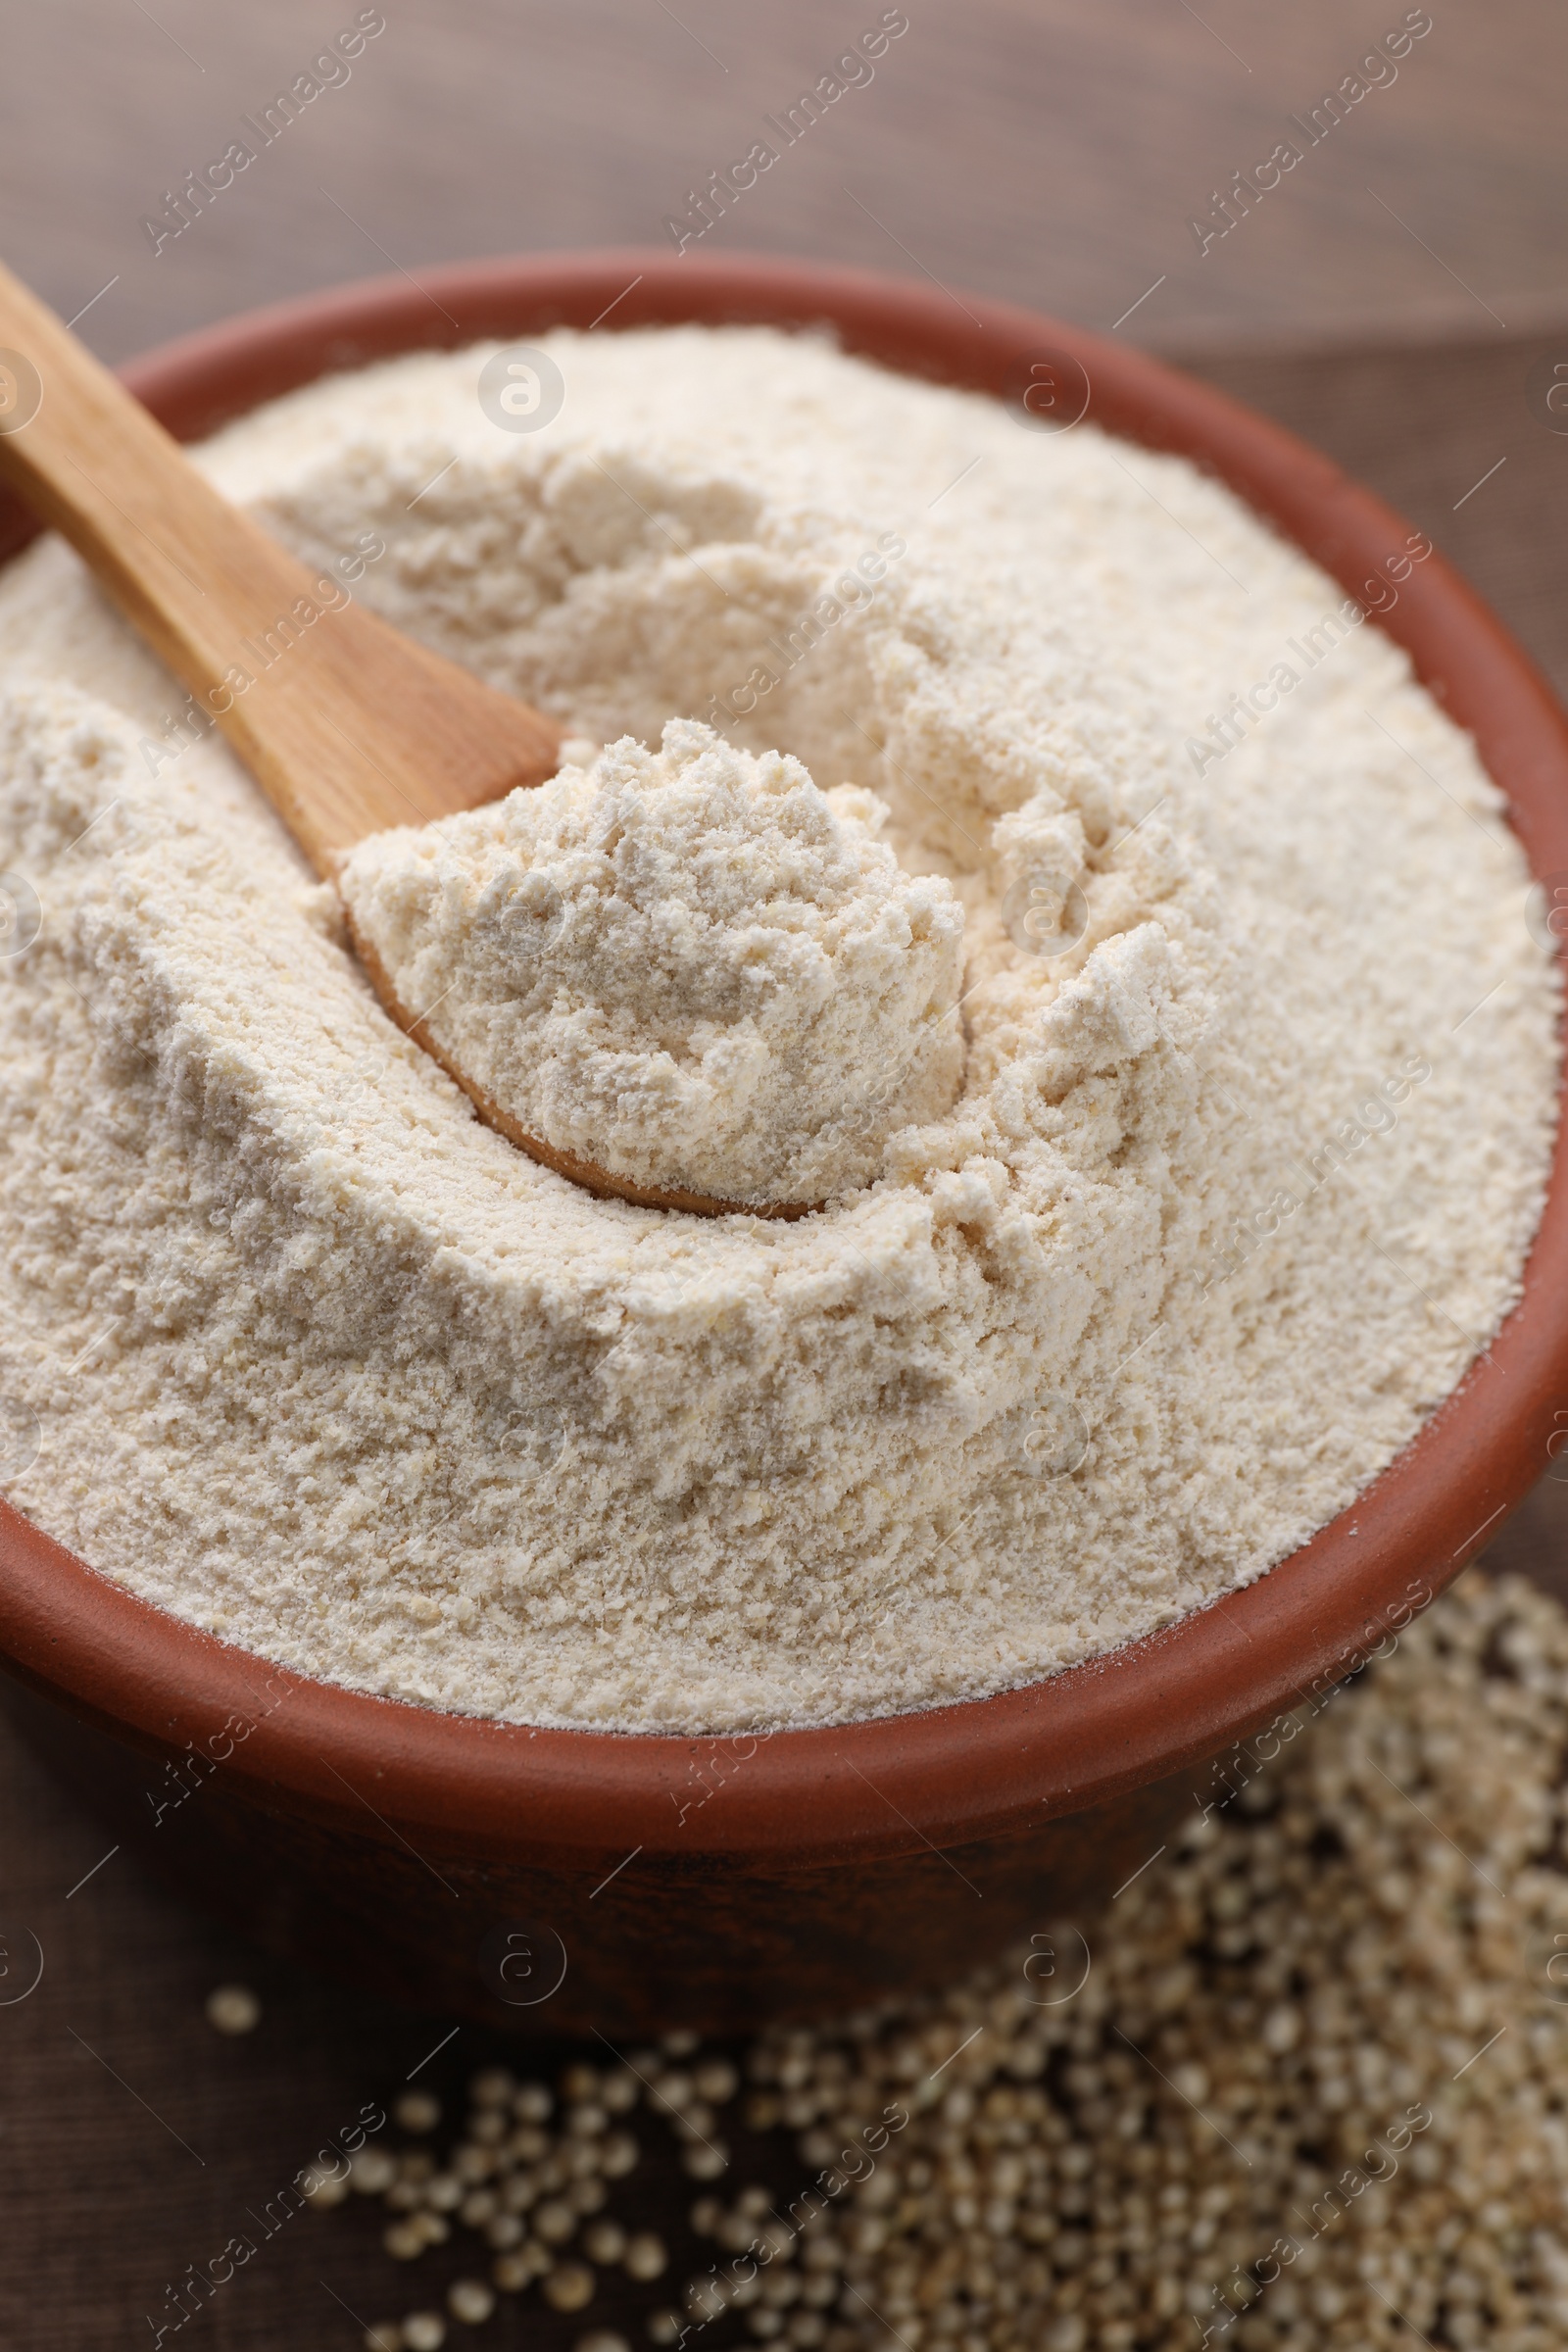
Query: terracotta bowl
[(553, 1879)]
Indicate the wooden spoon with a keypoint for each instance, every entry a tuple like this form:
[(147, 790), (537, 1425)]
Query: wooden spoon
[(347, 726)]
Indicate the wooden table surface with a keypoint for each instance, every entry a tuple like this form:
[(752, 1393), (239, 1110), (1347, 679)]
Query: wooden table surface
[(1040, 149), (1395, 300)]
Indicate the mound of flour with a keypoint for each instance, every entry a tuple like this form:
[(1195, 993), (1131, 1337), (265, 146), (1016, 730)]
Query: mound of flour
[(689, 967), (1237, 1176)]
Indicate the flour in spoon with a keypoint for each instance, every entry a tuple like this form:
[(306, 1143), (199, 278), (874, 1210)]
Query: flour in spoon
[(689, 967)]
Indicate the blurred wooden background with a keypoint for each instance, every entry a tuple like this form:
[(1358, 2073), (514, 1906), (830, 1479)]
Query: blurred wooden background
[(1396, 299), (1390, 297), (1038, 149)]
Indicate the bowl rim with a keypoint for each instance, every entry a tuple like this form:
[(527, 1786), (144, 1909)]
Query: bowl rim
[(1143, 1711)]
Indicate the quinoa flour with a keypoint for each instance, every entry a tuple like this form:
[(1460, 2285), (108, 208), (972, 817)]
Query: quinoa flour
[(1204, 1191), (689, 967)]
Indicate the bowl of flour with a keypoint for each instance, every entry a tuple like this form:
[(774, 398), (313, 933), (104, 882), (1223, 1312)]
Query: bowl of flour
[(1018, 808)]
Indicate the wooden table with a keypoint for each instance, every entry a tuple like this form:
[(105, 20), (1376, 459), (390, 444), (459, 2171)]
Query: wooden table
[(1038, 149), (1042, 152)]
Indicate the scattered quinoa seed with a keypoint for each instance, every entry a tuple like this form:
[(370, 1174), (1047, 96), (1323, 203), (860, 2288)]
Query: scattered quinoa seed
[(470, 2300), (1343, 1967), (569, 2286), (493, 2086), (234, 2009), (324, 2188), (417, 2111), (603, 2241)]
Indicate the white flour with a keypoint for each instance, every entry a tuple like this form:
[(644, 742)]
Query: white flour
[(322, 1363), (689, 967)]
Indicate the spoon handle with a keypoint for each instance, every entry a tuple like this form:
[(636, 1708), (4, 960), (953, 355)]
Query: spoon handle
[(347, 726)]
